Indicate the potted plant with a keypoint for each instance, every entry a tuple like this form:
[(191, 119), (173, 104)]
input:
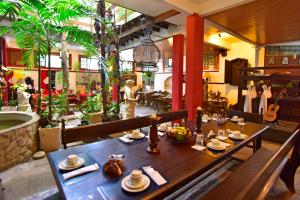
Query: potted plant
[(92, 108), (49, 133)]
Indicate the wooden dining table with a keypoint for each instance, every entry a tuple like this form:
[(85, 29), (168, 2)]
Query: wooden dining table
[(177, 163)]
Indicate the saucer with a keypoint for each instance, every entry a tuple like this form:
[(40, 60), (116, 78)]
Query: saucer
[(235, 120), (219, 147), (141, 135), (63, 165), (240, 137), (141, 187)]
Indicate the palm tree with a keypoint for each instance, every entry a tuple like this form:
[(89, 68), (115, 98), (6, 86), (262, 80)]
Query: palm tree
[(43, 24)]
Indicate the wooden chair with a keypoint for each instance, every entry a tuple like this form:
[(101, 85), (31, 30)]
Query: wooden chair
[(248, 117), (173, 116), (103, 130), (255, 177)]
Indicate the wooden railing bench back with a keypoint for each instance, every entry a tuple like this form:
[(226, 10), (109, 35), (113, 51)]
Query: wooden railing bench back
[(104, 130), (255, 177)]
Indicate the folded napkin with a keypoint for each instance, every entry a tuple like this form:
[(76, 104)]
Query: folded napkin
[(80, 171), (160, 133), (225, 144), (198, 147), (205, 120), (125, 139), (242, 123), (154, 175), (221, 137)]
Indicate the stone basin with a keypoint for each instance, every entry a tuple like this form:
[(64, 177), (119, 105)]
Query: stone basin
[(18, 137)]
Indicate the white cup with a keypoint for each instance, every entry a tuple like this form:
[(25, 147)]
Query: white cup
[(215, 142), (135, 133), (72, 160), (236, 133), (135, 177), (163, 127)]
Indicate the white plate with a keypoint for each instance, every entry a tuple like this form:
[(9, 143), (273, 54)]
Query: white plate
[(214, 147), (64, 165), (141, 135), (241, 137), (235, 120), (128, 189)]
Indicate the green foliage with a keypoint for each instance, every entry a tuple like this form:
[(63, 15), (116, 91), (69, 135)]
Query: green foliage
[(9, 9), (92, 104)]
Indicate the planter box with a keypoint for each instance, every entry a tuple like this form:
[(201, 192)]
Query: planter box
[(95, 118), (50, 138)]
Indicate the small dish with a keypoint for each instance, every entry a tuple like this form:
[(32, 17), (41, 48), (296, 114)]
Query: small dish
[(219, 147), (140, 136), (63, 165), (129, 188)]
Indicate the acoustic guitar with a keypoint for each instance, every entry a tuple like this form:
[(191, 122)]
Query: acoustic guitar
[(271, 114)]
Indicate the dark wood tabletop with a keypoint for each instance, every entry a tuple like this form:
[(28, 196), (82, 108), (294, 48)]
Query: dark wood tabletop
[(177, 163)]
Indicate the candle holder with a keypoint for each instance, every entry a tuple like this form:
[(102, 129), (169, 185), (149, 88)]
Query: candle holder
[(153, 136), (199, 119)]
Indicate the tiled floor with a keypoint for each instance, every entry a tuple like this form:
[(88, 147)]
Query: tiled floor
[(34, 181)]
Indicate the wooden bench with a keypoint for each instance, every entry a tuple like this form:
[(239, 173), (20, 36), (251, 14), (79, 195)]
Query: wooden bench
[(255, 177), (104, 130)]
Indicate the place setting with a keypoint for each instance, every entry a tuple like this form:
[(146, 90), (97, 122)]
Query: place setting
[(132, 137), (132, 185), (77, 166)]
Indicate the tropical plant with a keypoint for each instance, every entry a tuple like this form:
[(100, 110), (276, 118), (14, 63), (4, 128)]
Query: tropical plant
[(43, 24), (92, 104)]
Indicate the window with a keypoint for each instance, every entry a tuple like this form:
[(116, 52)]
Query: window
[(89, 63), (126, 66), (55, 61)]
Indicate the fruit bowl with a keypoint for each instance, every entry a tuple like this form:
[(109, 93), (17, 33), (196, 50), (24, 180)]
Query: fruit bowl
[(179, 134)]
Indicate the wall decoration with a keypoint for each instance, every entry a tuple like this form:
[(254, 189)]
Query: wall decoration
[(271, 60), (285, 60)]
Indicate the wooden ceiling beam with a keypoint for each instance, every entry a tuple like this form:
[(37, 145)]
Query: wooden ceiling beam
[(157, 19)]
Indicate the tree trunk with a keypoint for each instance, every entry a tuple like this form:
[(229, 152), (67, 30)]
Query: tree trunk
[(39, 108), (49, 84), (65, 66), (100, 38)]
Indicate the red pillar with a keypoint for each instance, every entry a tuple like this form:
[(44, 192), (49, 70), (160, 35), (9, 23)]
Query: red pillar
[(194, 63), (177, 71), (115, 93)]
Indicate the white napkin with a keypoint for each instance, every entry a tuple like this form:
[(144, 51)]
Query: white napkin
[(204, 120), (210, 134), (242, 123), (198, 147), (155, 176), (80, 171), (125, 139), (225, 144), (221, 137), (160, 133)]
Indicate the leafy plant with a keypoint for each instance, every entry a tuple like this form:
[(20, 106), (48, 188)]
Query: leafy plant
[(92, 104)]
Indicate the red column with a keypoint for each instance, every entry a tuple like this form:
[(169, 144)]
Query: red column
[(115, 93), (177, 71), (194, 63)]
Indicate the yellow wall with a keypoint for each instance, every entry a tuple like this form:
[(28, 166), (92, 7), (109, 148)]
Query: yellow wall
[(238, 50)]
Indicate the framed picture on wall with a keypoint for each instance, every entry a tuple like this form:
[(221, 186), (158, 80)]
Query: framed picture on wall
[(285, 60), (271, 60)]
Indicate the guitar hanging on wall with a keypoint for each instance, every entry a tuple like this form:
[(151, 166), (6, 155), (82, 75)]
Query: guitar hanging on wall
[(271, 114)]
